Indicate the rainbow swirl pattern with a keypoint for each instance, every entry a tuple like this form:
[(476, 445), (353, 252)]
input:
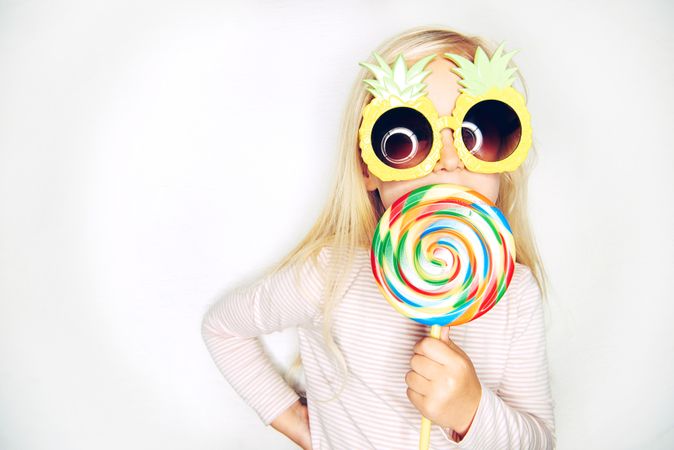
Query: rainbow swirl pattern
[(443, 254)]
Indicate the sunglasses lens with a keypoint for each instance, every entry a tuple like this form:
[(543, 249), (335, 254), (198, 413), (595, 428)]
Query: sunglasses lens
[(402, 138), (491, 130)]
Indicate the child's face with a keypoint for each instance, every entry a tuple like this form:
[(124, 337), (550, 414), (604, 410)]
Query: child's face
[(442, 89)]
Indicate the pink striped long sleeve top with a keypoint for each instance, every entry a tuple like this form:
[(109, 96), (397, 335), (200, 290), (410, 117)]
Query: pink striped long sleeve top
[(506, 345)]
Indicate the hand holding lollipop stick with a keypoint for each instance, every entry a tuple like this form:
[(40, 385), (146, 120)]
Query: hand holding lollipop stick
[(442, 255)]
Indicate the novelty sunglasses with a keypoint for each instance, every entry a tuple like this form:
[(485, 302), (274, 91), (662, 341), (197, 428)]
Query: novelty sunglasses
[(400, 129)]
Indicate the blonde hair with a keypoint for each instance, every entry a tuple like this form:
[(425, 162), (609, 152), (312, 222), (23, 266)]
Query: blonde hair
[(351, 213)]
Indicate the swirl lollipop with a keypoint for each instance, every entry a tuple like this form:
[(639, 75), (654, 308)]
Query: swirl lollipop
[(442, 255)]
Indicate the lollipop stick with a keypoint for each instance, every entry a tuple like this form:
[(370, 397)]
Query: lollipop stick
[(425, 437)]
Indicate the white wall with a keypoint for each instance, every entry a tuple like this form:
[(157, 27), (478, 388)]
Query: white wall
[(147, 147)]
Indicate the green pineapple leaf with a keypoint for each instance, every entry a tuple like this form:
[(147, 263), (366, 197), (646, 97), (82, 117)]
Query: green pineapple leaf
[(483, 74), (398, 81)]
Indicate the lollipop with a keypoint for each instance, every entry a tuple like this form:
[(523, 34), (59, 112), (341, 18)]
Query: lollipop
[(442, 255)]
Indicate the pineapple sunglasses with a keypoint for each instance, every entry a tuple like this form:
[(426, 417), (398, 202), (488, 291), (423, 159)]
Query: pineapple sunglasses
[(400, 129)]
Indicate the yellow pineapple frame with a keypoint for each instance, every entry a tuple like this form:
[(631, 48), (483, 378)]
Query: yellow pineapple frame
[(397, 86)]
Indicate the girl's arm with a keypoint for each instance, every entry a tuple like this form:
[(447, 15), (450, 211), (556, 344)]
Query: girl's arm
[(520, 414), (230, 328)]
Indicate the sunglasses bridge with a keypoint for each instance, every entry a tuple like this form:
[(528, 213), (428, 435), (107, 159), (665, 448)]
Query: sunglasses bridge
[(450, 122)]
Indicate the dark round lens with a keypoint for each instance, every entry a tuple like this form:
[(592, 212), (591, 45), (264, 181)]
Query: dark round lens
[(491, 130), (402, 137), (469, 137)]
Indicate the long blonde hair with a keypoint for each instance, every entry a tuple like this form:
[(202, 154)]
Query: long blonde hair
[(351, 213)]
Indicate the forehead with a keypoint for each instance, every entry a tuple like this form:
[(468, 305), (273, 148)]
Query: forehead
[(442, 85)]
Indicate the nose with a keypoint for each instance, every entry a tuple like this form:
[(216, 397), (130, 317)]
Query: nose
[(449, 158)]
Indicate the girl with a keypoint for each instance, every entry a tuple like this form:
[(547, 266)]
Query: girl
[(370, 372)]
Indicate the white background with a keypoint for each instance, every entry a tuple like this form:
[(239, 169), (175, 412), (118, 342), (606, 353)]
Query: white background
[(155, 154)]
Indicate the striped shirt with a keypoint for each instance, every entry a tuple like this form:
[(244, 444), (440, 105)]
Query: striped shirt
[(506, 345)]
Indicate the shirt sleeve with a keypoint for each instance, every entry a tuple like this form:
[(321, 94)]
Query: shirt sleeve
[(231, 325), (519, 415)]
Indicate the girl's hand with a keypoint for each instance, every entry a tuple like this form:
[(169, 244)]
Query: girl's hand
[(294, 423), (443, 384), (305, 442)]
